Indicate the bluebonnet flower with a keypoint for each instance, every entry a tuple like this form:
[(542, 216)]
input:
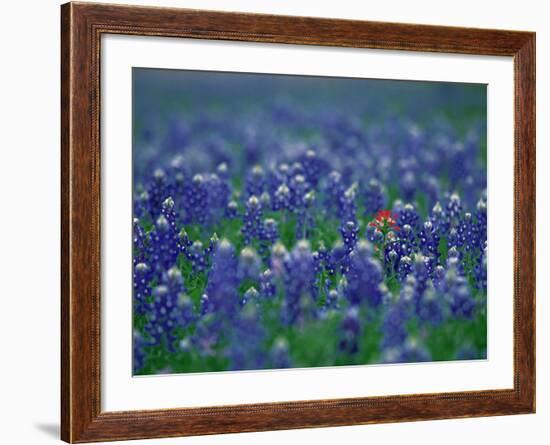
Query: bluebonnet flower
[(317, 262), (429, 240), (298, 188), (249, 264), (322, 251), (397, 207), (454, 208), (481, 217), (186, 310), (164, 245), (178, 134), (231, 209), (247, 336), (468, 236), (223, 173), (407, 240), (439, 277), (334, 189), (168, 211), (457, 291), (398, 247), (139, 242), (255, 181), (279, 355), (453, 258), (196, 254), (462, 304), (142, 286), (184, 242), (348, 208), (431, 186), (221, 290), (410, 352), (304, 221), (407, 216), (299, 281), (282, 198), (408, 184), (439, 219), (267, 284), (374, 197), (459, 160), (350, 330), (208, 337), (217, 197), (251, 296), (422, 273), (164, 312), (430, 306), (392, 258), (278, 257), (206, 306), (364, 277), (252, 219), (313, 167), (223, 187), (157, 191), (212, 243), (297, 169), (404, 268), (336, 259), (480, 271), (269, 231), (265, 200), (283, 174), (195, 200), (349, 232), (177, 171), (453, 240), (393, 328), (332, 300), (141, 205), (374, 235), (139, 353)]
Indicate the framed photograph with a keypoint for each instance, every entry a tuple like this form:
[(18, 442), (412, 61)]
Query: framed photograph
[(274, 222)]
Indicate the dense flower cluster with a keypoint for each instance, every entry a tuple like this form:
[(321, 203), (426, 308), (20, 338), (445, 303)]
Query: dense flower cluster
[(292, 237)]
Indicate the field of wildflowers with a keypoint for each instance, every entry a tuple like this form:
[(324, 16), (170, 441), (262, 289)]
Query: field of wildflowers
[(286, 221)]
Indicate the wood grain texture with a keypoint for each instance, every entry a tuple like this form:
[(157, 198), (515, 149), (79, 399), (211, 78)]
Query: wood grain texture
[(81, 28)]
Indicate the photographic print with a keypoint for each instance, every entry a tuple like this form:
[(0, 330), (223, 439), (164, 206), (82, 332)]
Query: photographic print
[(284, 221)]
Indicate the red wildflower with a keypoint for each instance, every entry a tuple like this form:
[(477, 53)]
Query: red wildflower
[(385, 221)]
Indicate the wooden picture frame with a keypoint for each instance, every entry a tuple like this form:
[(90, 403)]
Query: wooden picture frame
[(82, 25)]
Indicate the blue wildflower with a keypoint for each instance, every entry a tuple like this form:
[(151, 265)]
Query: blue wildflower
[(164, 311), (267, 284), (255, 181), (249, 265), (407, 216), (247, 336), (279, 355), (157, 191), (221, 290), (142, 287), (299, 281), (252, 219), (350, 330), (164, 245), (364, 277), (374, 197)]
